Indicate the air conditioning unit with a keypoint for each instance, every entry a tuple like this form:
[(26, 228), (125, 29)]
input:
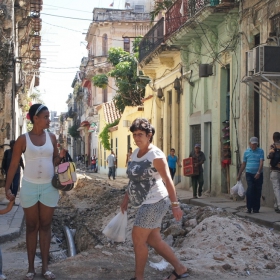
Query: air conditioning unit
[(126, 123), (266, 59)]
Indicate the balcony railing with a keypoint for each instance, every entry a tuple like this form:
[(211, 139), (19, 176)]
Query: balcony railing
[(152, 39), (176, 15), (100, 15), (182, 10)]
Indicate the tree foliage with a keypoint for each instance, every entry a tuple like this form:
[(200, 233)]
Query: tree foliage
[(104, 135), (159, 7), (100, 80), (73, 131), (130, 89)]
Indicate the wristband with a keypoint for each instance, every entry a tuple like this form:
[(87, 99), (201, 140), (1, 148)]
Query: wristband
[(176, 203), (258, 173)]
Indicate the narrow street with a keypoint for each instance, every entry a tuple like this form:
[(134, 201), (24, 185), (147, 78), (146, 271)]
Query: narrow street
[(212, 243)]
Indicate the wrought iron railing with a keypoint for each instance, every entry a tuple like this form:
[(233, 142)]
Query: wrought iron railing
[(176, 15), (182, 10), (152, 39)]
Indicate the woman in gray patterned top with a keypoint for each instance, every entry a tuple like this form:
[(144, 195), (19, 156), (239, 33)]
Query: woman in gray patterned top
[(147, 172)]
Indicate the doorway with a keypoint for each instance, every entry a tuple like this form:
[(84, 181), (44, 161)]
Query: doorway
[(208, 155)]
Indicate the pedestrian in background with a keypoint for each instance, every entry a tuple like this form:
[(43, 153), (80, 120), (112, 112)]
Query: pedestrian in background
[(273, 155), (128, 157), (253, 162), (150, 189), (111, 161), (5, 167), (93, 163), (37, 196), (198, 180), (2, 212), (172, 161)]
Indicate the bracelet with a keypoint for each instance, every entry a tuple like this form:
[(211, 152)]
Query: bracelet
[(258, 173), (175, 203)]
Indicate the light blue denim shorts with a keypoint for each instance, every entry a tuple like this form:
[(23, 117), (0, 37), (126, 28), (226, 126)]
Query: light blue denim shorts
[(31, 193)]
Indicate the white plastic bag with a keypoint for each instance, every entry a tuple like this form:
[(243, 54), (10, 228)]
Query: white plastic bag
[(241, 190), (234, 189), (162, 265), (116, 229)]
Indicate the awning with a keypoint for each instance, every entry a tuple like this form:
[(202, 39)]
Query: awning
[(85, 123), (93, 127)]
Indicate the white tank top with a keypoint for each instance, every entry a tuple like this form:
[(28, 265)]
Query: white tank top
[(39, 168)]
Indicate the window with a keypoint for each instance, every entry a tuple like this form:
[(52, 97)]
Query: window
[(275, 25), (104, 44), (104, 95), (170, 97), (139, 8), (128, 142), (126, 45)]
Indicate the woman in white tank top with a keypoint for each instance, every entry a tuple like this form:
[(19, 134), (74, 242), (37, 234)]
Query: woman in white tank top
[(37, 195)]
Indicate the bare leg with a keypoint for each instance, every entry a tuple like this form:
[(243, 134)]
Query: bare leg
[(32, 226), (139, 237), (46, 214), (162, 248)]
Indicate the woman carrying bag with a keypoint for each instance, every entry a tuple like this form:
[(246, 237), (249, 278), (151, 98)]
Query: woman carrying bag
[(147, 172), (37, 195)]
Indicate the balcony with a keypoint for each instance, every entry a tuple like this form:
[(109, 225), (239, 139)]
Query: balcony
[(102, 15), (176, 17), (152, 39)]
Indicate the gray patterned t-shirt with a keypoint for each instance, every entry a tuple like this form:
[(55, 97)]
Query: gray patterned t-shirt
[(145, 184)]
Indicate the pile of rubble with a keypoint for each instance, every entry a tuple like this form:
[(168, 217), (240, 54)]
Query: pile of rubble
[(206, 239)]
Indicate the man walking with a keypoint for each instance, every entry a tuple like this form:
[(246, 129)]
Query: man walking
[(111, 161), (6, 164), (253, 162), (198, 179), (274, 156)]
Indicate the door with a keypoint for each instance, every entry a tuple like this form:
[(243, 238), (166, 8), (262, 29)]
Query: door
[(208, 155)]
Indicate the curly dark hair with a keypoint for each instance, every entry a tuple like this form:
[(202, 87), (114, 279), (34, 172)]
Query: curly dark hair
[(33, 110), (144, 125)]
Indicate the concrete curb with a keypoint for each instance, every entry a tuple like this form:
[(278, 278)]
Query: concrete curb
[(266, 217), (14, 229)]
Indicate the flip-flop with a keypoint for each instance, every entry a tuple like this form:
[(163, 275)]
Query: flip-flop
[(48, 275), (29, 276), (184, 275)]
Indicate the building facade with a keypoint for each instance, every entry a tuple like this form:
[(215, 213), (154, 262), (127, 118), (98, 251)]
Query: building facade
[(20, 59)]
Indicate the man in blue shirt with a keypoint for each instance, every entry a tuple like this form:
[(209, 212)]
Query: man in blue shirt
[(253, 162)]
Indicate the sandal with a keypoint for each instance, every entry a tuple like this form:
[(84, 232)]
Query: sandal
[(48, 275), (29, 276), (184, 275)]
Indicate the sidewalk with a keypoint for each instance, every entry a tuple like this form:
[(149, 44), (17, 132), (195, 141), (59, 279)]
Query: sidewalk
[(11, 224)]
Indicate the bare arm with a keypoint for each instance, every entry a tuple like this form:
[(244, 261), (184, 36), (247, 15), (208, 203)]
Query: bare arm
[(8, 208), (259, 170), (57, 156), (162, 167), (241, 170)]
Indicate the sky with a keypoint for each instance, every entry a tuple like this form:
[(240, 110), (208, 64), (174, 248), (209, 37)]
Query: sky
[(63, 46)]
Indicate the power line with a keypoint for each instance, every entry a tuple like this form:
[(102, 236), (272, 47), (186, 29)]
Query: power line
[(68, 8), (65, 17)]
